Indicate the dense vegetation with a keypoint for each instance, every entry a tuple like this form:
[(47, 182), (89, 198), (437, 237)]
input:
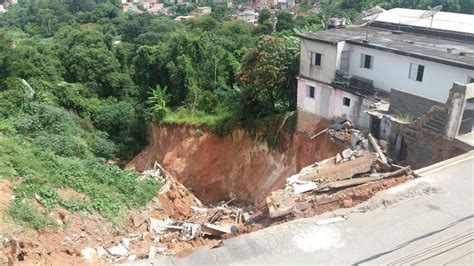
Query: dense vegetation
[(80, 82)]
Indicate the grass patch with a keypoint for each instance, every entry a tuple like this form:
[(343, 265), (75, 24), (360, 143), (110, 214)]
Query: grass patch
[(110, 189), (267, 128), (405, 118), (25, 213)]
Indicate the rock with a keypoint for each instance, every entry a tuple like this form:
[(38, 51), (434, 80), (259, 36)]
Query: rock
[(338, 158), (118, 251), (156, 225), (365, 144), (152, 252), (100, 252), (139, 220), (89, 253), (347, 153), (246, 216), (169, 236), (132, 257), (161, 249), (199, 210), (125, 242)]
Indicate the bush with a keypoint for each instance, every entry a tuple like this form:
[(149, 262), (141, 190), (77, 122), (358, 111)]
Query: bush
[(63, 145)]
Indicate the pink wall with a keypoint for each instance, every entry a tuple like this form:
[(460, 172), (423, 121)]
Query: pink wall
[(301, 93), (331, 99)]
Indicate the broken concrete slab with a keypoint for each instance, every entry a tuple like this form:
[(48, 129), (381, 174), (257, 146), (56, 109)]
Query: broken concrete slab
[(160, 226), (301, 187), (118, 251), (215, 230), (347, 153), (341, 171), (280, 204)]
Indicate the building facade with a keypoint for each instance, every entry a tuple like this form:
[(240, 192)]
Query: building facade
[(350, 72)]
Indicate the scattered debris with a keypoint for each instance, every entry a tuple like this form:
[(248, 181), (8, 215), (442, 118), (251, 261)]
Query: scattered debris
[(118, 250), (280, 203), (152, 252), (304, 186), (89, 254), (354, 166), (215, 230), (377, 148), (101, 252)]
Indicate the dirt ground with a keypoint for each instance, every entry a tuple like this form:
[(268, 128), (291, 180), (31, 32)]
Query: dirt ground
[(218, 168)]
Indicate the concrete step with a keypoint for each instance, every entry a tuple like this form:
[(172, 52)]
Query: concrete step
[(433, 128)]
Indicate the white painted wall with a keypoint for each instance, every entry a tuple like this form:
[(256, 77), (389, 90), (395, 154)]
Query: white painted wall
[(391, 71), (325, 73)]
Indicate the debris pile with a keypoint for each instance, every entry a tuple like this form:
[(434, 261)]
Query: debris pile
[(174, 222), (352, 167)]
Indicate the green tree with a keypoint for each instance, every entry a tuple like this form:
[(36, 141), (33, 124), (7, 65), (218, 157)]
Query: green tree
[(264, 16), (269, 69), (284, 21)]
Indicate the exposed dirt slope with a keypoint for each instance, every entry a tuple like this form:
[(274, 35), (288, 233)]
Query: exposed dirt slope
[(215, 167)]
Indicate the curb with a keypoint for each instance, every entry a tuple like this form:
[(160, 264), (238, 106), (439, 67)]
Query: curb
[(443, 164)]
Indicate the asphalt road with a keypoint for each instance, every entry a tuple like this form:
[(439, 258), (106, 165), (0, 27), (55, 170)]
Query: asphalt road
[(428, 221)]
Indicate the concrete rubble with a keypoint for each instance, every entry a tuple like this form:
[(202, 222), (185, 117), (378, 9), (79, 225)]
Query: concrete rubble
[(362, 162), (157, 235)]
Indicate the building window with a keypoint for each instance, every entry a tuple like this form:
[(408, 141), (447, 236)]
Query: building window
[(366, 61), (316, 59), (310, 91), (470, 80), (416, 72), (346, 101)]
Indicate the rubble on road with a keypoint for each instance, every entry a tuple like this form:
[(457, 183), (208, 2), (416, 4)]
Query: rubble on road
[(356, 165)]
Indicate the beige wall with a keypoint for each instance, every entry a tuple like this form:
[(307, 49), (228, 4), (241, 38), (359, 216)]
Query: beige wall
[(327, 72)]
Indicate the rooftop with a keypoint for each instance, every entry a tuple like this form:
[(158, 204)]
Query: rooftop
[(451, 52), (441, 21)]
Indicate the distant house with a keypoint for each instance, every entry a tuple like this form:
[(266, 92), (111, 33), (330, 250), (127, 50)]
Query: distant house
[(203, 10), (156, 8), (180, 18), (248, 16)]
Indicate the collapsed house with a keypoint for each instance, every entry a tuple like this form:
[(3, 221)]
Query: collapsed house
[(387, 80), (363, 162)]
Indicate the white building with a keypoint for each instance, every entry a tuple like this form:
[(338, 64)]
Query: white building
[(343, 73), (248, 16)]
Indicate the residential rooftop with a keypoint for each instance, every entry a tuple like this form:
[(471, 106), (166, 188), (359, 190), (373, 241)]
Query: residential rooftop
[(445, 21), (431, 48)]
